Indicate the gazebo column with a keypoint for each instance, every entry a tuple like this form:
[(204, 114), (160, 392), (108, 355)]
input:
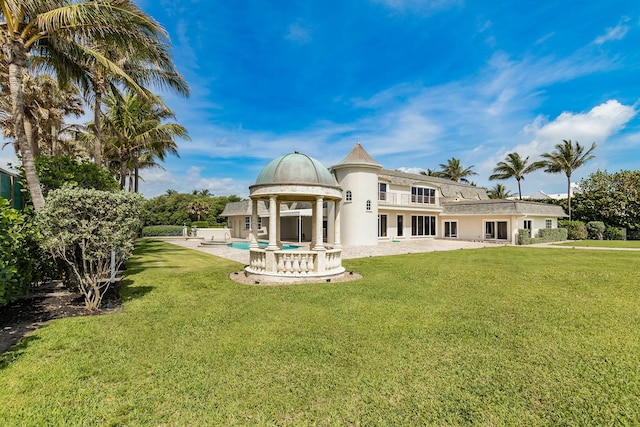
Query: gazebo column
[(336, 226), (321, 263), (278, 225), (270, 251), (253, 235), (331, 209)]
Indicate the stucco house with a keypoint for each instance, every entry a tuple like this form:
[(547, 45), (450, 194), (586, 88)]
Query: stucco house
[(380, 204)]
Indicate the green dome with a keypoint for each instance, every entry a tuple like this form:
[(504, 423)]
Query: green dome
[(295, 168)]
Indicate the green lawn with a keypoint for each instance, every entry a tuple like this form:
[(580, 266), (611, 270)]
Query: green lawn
[(495, 336), (634, 244)]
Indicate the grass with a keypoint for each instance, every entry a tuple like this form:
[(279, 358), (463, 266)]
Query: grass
[(617, 244), (495, 336)]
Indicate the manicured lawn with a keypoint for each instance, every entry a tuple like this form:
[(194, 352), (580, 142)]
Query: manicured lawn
[(496, 336), (635, 244)]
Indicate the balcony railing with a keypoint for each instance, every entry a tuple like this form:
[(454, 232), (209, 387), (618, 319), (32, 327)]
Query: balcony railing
[(389, 198)]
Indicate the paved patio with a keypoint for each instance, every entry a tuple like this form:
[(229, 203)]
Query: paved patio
[(381, 249)]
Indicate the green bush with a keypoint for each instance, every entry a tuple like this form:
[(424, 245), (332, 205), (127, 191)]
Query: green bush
[(162, 230), (576, 230), (595, 230), (200, 224), (544, 235), (614, 233), (23, 262), (632, 234), (82, 227)]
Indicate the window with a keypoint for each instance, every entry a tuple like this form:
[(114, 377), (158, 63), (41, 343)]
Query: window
[(496, 230), (527, 224), (548, 223), (368, 205), (423, 195), (348, 196), (382, 226), (451, 229), (400, 230), (382, 191), (247, 222), (423, 225)]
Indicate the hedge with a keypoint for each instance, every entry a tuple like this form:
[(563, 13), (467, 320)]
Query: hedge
[(162, 230), (544, 235)]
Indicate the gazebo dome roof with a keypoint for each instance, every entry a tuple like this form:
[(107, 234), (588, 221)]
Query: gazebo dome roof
[(296, 168)]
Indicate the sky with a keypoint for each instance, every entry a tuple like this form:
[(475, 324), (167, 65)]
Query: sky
[(416, 82)]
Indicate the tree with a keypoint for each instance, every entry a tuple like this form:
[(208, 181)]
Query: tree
[(567, 157), (136, 134), (516, 167), (429, 172), (53, 34), (81, 227), (499, 191), (613, 198), (197, 209), (454, 171)]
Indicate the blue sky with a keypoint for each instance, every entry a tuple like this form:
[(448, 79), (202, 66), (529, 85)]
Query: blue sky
[(415, 82)]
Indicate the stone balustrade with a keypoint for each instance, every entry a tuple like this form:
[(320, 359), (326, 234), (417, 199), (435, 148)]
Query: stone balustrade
[(295, 263)]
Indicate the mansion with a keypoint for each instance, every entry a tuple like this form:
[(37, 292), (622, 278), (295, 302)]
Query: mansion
[(378, 204)]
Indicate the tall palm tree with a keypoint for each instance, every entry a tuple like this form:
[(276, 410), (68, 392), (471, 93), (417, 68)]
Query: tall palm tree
[(148, 65), (499, 191), (516, 167), (567, 157), (136, 134), (58, 35), (454, 171)]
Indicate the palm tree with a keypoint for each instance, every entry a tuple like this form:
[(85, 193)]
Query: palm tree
[(149, 64), (55, 35), (429, 172), (454, 171), (566, 158), (136, 134), (499, 191), (516, 167)]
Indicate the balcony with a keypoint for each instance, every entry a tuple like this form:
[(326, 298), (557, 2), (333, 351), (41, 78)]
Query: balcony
[(387, 198)]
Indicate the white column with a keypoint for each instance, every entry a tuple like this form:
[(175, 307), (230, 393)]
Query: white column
[(331, 215), (273, 221), (318, 224), (336, 238), (253, 235), (278, 224)]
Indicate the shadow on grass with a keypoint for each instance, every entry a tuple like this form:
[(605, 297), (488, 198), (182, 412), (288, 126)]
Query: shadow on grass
[(129, 292), (13, 354)]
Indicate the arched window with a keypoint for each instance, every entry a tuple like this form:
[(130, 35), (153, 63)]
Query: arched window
[(368, 205), (347, 197)]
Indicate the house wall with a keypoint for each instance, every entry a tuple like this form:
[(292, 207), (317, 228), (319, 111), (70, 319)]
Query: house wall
[(359, 226)]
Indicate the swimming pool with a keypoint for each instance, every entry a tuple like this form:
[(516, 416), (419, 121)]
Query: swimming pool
[(245, 245)]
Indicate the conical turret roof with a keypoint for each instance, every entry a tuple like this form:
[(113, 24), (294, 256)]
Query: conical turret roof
[(358, 156)]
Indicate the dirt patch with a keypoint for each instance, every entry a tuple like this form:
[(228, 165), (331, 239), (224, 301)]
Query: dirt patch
[(45, 303)]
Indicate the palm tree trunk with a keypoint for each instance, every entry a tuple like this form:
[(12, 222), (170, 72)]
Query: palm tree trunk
[(17, 59), (97, 143), (569, 194), (519, 190)]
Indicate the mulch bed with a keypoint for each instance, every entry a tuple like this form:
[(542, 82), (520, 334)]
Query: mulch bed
[(48, 302)]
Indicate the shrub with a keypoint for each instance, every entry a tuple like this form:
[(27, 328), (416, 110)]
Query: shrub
[(595, 230), (576, 230), (200, 224), (23, 262), (614, 233), (162, 230), (544, 235), (633, 234), (81, 227)]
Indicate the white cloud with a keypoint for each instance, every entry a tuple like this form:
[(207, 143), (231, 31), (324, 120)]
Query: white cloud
[(157, 181), (298, 33), (614, 33), (424, 6)]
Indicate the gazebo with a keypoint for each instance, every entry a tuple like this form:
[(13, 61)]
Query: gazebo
[(296, 177)]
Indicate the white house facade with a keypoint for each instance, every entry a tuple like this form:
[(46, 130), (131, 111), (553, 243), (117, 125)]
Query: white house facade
[(386, 205)]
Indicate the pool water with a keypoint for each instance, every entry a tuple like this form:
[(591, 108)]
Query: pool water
[(245, 245)]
